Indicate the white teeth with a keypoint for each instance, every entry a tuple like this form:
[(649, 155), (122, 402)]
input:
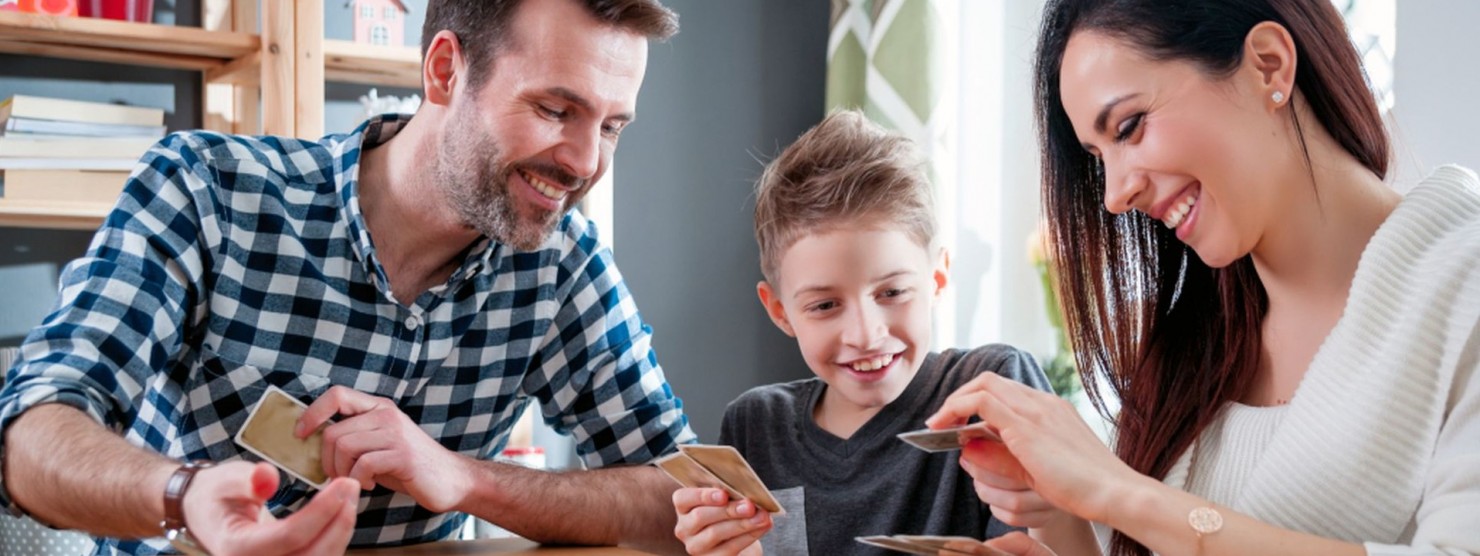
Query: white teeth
[(873, 363), (544, 188), (1178, 212)]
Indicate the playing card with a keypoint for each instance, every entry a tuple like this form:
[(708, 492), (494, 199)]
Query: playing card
[(935, 542), (921, 544), (945, 440), (690, 474), (726, 463), (896, 544), (268, 433)]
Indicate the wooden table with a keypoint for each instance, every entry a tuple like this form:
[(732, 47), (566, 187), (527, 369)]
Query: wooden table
[(507, 547)]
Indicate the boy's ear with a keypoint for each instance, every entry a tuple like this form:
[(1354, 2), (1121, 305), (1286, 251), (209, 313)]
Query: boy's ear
[(942, 272), (772, 302), (442, 68)]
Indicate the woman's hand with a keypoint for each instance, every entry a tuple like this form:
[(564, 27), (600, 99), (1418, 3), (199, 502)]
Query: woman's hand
[(1046, 447), (708, 523), (1002, 484)]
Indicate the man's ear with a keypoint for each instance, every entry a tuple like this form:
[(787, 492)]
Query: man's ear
[(1270, 51), (442, 68), (772, 302), (942, 273)]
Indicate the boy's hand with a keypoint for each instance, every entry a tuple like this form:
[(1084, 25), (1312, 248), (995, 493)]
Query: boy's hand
[(708, 523)]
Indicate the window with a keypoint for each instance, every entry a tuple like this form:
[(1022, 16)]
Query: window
[(390, 13), (367, 11), (379, 35), (1372, 25)]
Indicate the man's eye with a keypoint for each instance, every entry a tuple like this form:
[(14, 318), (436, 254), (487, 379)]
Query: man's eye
[(551, 112)]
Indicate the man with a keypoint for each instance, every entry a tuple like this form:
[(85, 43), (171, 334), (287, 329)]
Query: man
[(419, 280)]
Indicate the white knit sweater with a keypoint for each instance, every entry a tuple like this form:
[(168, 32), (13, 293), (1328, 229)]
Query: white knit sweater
[(1381, 443)]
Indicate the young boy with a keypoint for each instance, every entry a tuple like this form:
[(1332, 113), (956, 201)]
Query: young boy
[(845, 226)]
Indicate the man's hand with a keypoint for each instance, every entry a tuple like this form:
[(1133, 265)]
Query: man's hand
[(375, 443), (224, 511), (709, 524)]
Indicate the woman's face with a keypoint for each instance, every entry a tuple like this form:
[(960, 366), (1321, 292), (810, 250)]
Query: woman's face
[(1202, 155)]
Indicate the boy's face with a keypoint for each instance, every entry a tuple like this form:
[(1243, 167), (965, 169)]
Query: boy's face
[(858, 300)]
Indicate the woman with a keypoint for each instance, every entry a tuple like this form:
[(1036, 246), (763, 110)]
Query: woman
[(1293, 343)]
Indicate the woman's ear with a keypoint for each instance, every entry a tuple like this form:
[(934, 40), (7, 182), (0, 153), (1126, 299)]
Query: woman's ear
[(772, 302), (1269, 51), (442, 68)]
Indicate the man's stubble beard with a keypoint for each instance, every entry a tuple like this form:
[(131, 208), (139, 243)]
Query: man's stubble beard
[(471, 170)]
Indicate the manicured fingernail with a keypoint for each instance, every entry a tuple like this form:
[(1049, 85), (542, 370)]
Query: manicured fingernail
[(758, 519), (297, 429), (716, 496)]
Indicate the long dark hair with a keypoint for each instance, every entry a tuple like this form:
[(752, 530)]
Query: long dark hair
[(1175, 339)]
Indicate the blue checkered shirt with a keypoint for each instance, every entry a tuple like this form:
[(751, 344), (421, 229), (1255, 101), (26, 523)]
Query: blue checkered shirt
[(231, 263)]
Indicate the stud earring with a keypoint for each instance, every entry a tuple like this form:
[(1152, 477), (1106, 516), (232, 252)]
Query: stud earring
[(1278, 97)]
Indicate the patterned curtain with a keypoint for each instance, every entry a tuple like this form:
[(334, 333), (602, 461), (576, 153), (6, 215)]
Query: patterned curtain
[(895, 60)]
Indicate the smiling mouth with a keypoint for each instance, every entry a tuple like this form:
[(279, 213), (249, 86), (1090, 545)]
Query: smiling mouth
[(1178, 213), (872, 363), (544, 188)]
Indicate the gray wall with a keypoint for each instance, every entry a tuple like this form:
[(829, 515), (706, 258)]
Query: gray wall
[(1436, 82), (740, 81)]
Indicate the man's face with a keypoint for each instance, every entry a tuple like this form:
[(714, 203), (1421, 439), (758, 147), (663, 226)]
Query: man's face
[(524, 147)]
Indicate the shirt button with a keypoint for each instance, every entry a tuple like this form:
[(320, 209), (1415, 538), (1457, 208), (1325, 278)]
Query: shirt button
[(412, 322)]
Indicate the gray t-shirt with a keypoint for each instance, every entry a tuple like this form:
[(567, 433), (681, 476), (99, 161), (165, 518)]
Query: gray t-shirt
[(873, 483)]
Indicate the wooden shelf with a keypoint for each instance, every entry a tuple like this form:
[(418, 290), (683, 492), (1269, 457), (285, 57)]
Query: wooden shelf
[(54, 215), (272, 83), (103, 40), (390, 66)]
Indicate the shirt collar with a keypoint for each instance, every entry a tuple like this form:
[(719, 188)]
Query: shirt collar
[(347, 153)]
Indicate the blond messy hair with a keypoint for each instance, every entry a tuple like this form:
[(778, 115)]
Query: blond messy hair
[(843, 171)]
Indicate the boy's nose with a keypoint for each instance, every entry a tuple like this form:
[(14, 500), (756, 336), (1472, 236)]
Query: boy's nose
[(867, 330)]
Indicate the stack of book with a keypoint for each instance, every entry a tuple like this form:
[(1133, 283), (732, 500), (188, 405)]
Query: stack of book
[(67, 151)]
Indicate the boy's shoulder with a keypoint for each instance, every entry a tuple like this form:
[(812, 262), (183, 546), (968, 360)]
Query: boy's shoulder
[(774, 398), (958, 366)]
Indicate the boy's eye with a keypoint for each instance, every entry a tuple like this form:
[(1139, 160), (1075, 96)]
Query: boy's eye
[(1129, 127), (892, 293), (823, 306)]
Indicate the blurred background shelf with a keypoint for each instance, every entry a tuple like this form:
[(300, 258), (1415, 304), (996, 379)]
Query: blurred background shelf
[(253, 82), (391, 66), (53, 215)]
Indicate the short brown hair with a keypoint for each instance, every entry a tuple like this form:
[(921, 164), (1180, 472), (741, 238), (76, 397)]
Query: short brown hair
[(842, 171), (482, 26)]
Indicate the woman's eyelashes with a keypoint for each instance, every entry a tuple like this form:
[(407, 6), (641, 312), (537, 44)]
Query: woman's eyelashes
[(1128, 127)]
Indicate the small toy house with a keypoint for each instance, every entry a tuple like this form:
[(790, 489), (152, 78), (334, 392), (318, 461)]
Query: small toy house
[(379, 21)]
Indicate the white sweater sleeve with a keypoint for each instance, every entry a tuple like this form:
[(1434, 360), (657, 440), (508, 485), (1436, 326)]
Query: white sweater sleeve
[(1448, 519)]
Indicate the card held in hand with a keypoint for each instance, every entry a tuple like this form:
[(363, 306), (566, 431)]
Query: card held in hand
[(726, 463), (268, 433), (690, 474), (722, 467), (921, 544), (945, 440)]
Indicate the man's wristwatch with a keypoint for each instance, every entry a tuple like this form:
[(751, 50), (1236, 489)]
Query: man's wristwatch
[(174, 509)]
